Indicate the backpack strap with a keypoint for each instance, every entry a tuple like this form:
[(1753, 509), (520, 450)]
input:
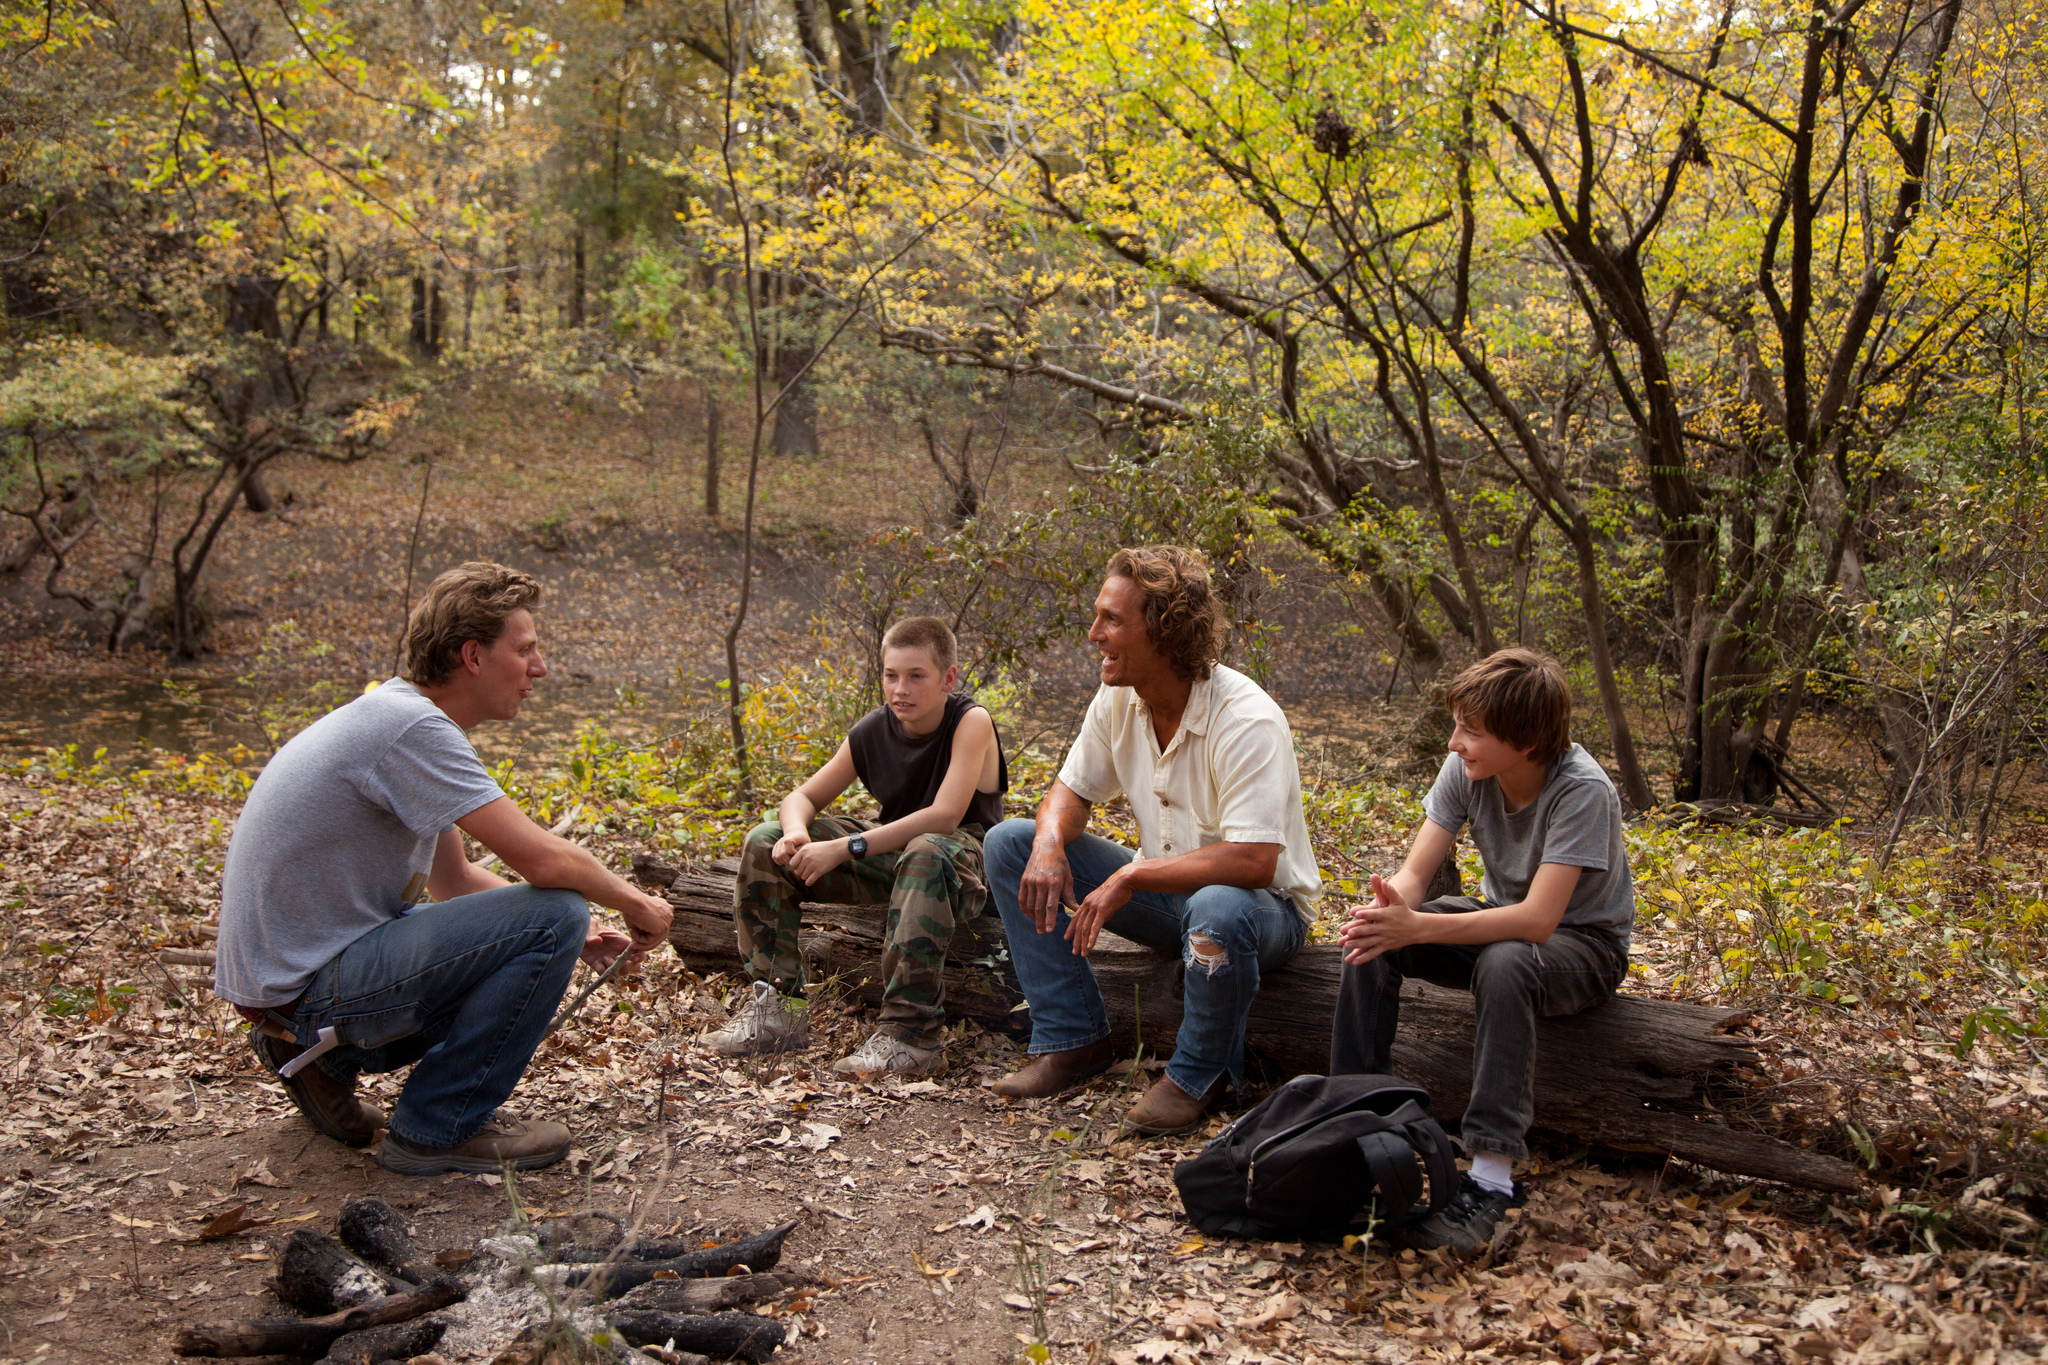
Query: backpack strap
[(1399, 1154), (1430, 1142)]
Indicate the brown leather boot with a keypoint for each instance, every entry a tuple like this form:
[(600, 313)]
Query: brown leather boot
[(1167, 1109), (328, 1105), (1051, 1072), (503, 1141)]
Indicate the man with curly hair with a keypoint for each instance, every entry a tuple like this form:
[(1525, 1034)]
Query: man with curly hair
[(1224, 874)]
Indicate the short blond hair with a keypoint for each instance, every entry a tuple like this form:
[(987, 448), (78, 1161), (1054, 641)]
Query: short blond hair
[(927, 633), (1520, 697), (470, 602)]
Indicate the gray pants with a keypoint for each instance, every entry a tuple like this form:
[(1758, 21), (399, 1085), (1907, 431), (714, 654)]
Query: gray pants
[(1512, 984)]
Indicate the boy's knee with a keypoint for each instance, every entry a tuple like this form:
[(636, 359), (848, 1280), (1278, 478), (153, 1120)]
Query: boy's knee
[(764, 834), (1510, 965)]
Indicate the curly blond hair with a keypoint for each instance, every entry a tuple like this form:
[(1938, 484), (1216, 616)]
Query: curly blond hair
[(1183, 617)]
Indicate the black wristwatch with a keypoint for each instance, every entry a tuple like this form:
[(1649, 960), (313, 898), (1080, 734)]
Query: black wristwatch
[(858, 845)]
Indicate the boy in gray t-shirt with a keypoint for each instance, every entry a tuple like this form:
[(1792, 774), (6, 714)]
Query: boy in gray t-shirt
[(1548, 935)]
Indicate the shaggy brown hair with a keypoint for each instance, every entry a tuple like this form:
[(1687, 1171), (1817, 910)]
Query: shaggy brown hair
[(1183, 618), (927, 633), (1521, 698), (467, 603)]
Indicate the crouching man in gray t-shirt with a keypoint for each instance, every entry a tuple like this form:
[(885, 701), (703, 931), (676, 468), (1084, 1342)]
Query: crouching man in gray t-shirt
[(1549, 936), (326, 946)]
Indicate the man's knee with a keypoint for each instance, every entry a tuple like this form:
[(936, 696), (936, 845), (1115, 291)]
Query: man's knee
[(1219, 920), (568, 916), (1506, 966), (1008, 846)]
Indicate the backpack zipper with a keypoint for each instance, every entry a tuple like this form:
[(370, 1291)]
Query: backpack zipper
[(1251, 1166)]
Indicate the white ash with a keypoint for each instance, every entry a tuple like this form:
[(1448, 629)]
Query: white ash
[(358, 1284), (503, 1302)]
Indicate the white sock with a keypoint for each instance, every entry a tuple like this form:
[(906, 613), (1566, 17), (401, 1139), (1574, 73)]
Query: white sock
[(1494, 1171)]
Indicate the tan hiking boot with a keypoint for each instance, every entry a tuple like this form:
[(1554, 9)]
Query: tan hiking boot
[(328, 1104), (884, 1054), (769, 1022), (503, 1141), (1051, 1072)]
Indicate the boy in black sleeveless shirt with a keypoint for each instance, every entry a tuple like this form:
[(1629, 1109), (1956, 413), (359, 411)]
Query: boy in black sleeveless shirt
[(933, 762)]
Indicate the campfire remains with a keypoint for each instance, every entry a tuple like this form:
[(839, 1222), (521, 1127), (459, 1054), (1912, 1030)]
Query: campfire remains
[(578, 1291)]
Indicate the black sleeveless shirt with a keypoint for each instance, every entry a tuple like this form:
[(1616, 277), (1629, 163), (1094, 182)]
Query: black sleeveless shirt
[(905, 771)]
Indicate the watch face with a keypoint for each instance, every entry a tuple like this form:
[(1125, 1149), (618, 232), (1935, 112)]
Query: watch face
[(857, 846)]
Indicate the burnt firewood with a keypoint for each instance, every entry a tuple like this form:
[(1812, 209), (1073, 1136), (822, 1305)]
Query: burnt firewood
[(311, 1336), (706, 1295), (315, 1274), (722, 1336), (393, 1341), (373, 1230), (759, 1252)]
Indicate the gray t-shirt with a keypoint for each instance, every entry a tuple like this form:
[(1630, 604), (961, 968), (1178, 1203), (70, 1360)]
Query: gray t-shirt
[(1574, 820), (337, 837)]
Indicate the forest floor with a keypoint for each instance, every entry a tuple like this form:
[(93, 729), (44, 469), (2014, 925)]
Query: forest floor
[(941, 1222)]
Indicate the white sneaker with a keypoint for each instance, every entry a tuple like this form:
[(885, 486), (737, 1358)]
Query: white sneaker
[(770, 1022), (884, 1054)]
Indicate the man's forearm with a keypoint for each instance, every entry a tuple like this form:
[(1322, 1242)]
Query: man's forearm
[(1250, 866), (575, 868), (1062, 816)]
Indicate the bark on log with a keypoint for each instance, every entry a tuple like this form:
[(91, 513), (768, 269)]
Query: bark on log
[(315, 1274), (706, 1296), (311, 1336), (395, 1341), (759, 1252), (185, 957), (736, 1336), (1631, 1074), (373, 1230)]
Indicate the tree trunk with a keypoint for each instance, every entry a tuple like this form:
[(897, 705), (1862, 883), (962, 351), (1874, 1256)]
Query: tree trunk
[(1631, 1074), (576, 287), (1635, 788), (710, 452), (796, 416)]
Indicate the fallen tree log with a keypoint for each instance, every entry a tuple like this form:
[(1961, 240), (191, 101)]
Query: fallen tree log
[(723, 1336), (1631, 1074), (311, 1336), (316, 1274), (759, 1252), (706, 1296)]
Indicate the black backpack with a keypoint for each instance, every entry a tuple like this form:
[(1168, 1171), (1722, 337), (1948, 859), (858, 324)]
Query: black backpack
[(1305, 1161)]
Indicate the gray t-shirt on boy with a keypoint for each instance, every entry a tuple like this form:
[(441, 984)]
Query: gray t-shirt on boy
[(1574, 820), (337, 837)]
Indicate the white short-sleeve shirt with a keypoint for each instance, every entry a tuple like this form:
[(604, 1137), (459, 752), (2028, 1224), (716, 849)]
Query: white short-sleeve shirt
[(1228, 776)]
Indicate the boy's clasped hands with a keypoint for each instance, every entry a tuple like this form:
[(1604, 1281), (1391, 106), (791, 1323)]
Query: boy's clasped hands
[(1388, 923), (809, 859)]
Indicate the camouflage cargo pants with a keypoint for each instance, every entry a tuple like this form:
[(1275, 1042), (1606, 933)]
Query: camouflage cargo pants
[(930, 885)]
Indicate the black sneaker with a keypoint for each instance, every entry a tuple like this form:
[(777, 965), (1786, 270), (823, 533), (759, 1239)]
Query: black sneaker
[(1465, 1225)]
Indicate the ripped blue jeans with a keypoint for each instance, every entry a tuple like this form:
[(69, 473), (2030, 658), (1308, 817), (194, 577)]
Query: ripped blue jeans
[(1225, 936), (460, 991)]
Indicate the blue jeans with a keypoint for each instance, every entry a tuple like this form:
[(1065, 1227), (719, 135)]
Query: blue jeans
[(460, 991), (1256, 931)]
